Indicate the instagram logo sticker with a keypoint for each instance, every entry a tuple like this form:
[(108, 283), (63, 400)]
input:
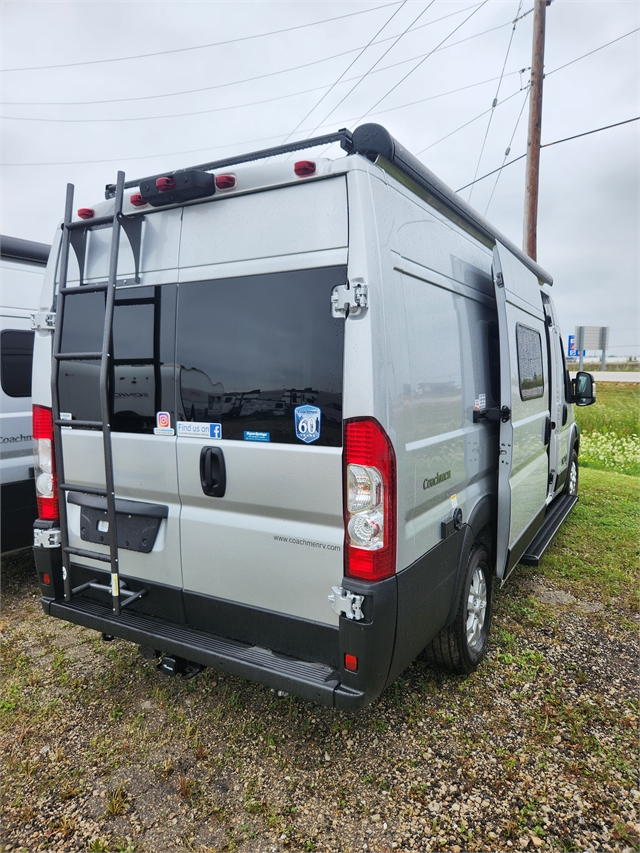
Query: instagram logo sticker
[(163, 420)]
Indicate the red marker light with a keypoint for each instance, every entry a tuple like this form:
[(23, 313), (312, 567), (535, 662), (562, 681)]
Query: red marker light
[(137, 200), (304, 167), (46, 579), (165, 184), (225, 182), (86, 213), (351, 663)]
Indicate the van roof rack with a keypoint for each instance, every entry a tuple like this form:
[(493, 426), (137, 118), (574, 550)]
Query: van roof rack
[(374, 141), (343, 136)]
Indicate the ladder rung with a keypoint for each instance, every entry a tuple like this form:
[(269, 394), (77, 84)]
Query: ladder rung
[(90, 555), (130, 597), (89, 223), (85, 490), (78, 356), (84, 288), (79, 424)]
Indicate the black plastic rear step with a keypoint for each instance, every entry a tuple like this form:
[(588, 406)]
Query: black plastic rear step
[(314, 681), (556, 514)]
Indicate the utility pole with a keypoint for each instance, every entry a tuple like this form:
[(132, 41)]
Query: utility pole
[(529, 242)]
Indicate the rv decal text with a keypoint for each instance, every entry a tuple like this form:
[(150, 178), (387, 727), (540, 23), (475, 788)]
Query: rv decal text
[(429, 482)]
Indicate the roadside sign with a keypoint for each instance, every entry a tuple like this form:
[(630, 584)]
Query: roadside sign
[(572, 352)]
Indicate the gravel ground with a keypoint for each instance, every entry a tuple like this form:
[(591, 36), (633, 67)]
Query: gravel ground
[(537, 750)]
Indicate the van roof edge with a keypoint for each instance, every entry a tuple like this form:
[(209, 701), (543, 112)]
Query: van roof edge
[(373, 141)]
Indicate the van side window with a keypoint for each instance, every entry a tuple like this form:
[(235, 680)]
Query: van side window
[(252, 350), (529, 344), (142, 382), (16, 357)]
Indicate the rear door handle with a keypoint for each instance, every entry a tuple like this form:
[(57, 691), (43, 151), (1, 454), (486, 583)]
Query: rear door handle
[(213, 475)]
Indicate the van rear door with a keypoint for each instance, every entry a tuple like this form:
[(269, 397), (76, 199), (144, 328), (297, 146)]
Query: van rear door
[(259, 397), (523, 466)]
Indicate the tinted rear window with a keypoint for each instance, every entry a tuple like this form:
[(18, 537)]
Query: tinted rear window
[(142, 381), (16, 358), (252, 350)]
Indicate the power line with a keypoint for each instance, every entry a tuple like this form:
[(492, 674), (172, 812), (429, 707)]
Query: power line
[(253, 104), (193, 151), (592, 51), (548, 144), (351, 64), (393, 88), (252, 79), (508, 149), (320, 124), (199, 46), (495, 100), (466, 124)]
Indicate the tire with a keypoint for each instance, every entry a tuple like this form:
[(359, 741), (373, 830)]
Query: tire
[(463, 645), (571, 487)]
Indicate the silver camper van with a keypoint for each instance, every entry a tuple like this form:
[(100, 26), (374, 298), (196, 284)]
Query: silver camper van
[(298, 418), (22, 265)]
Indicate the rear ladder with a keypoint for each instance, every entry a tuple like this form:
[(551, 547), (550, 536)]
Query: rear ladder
[(71, 231)]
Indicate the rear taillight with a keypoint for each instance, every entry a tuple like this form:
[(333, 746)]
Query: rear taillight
[(44, 462), (369, 501)]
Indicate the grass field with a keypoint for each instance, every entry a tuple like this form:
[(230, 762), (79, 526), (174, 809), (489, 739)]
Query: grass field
[(611, 429)]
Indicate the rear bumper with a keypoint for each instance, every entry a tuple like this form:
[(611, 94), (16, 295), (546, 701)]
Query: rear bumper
[(281, 651), (314, 681)]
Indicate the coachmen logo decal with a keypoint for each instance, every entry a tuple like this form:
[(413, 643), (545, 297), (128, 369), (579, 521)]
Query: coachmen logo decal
[(430, 482)]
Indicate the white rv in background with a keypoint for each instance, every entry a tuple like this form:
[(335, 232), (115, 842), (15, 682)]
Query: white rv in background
[(306, 414), (22, 266)]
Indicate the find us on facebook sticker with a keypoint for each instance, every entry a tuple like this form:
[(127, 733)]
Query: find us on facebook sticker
[(307, 421), (163, 424)]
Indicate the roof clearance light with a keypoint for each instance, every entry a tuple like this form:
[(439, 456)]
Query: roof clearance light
[(86, 213), (137, 200), (225, 182), (304, 167), (165, 184)]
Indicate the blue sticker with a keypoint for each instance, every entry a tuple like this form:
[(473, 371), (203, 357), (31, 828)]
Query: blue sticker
[(194, 429), (252, 435), (308, 423)]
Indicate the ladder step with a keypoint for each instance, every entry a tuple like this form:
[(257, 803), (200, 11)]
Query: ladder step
[(80, 424), (78, 356), (91, 555), (84, 288), (85, 490), (90, 223)]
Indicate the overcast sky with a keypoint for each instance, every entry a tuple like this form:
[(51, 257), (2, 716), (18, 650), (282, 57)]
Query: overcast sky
[(258, 87)]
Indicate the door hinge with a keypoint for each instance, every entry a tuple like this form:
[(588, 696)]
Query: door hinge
[(46, 538), (499, 279), (349, 298), (43, 320), (346, 603)]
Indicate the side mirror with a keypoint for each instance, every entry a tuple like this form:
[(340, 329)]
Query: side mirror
[(584, 389)]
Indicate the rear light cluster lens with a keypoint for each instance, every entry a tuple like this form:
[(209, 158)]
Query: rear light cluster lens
[(370, 501), (44, 463)]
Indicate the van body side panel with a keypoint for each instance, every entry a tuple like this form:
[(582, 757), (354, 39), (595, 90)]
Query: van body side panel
[(396, 368)]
